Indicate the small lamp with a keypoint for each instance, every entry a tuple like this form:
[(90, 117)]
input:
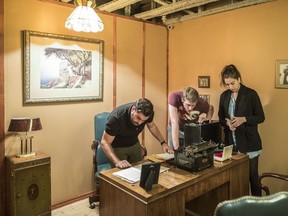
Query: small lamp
[(84, 18), (25, 125)]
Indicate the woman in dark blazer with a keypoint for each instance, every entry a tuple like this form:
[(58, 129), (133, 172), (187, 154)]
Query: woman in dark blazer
[(240, 112)]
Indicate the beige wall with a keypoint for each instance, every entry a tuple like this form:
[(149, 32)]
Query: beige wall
[(251, 38), (140, 70)]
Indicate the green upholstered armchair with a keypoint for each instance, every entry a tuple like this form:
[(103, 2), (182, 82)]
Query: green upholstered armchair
[(271, 205), (100, 160)]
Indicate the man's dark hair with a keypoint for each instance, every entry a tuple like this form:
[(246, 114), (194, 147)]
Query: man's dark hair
[(144, 106)]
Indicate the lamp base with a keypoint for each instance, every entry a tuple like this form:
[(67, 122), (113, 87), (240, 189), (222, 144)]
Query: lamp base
[(30, 154)]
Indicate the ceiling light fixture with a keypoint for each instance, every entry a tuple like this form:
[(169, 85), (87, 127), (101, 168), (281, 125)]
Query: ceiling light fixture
[(84, 17)]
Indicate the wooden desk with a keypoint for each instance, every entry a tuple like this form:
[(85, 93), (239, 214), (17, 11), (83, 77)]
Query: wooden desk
[(177, 189)]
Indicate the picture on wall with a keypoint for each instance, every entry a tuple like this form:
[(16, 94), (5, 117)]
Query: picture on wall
[(203, 81), (281, 74), (61, 68), (205, 97)]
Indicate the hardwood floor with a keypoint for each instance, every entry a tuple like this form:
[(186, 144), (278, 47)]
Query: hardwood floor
[(79, 208)]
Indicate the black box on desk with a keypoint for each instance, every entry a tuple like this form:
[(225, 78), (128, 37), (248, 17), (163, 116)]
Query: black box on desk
[(194, 134)]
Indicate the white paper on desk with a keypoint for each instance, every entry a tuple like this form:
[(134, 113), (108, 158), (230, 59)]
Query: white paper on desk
[(131, 174), (165, 156)]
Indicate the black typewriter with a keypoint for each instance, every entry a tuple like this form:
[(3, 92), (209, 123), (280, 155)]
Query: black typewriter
[(194, 158), (195, 153)]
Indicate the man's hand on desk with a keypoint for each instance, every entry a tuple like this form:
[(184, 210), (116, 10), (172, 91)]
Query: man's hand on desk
[(167, 149), (123, 164)]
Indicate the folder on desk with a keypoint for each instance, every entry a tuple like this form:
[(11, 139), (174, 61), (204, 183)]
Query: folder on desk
[(165, 156), (225, 154), (160, 157)]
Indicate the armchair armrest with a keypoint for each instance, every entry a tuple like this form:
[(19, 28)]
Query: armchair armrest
[(271, 175), (94, 147)]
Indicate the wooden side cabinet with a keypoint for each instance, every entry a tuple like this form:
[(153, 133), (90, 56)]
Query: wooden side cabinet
[(28, 185)]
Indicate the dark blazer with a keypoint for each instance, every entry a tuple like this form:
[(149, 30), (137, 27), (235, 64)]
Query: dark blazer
[(247, 105)]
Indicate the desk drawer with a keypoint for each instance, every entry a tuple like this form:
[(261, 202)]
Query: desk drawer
[(206, 185)]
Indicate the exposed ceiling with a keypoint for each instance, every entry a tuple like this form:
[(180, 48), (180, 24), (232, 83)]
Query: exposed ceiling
[(169, 12)]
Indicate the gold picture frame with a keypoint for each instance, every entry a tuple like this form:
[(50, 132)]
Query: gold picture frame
[(281, 73), (62, 68)]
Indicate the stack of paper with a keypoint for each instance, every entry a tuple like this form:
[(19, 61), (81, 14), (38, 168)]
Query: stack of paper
[(131, 175)]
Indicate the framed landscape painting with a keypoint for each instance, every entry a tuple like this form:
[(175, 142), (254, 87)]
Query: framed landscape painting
[(61, 68)]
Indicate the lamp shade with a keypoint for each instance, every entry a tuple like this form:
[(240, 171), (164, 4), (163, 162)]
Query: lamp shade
[(24, 124), (84, 19)]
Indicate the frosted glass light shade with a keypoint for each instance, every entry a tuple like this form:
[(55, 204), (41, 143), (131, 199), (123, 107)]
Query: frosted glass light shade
[(84, 19)]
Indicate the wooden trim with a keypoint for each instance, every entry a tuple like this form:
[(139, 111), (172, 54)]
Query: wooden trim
[(2, 114), (114, 62), (167, 77), (143, 69), (75, 199), (143, 59)]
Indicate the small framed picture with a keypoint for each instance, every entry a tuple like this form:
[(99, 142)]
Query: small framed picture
[(281, 74), (203, 81), (205, 97)]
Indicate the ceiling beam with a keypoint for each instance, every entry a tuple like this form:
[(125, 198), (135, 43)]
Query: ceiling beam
[(161, 2), (116, 4), (172, 8), (221, 9)]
